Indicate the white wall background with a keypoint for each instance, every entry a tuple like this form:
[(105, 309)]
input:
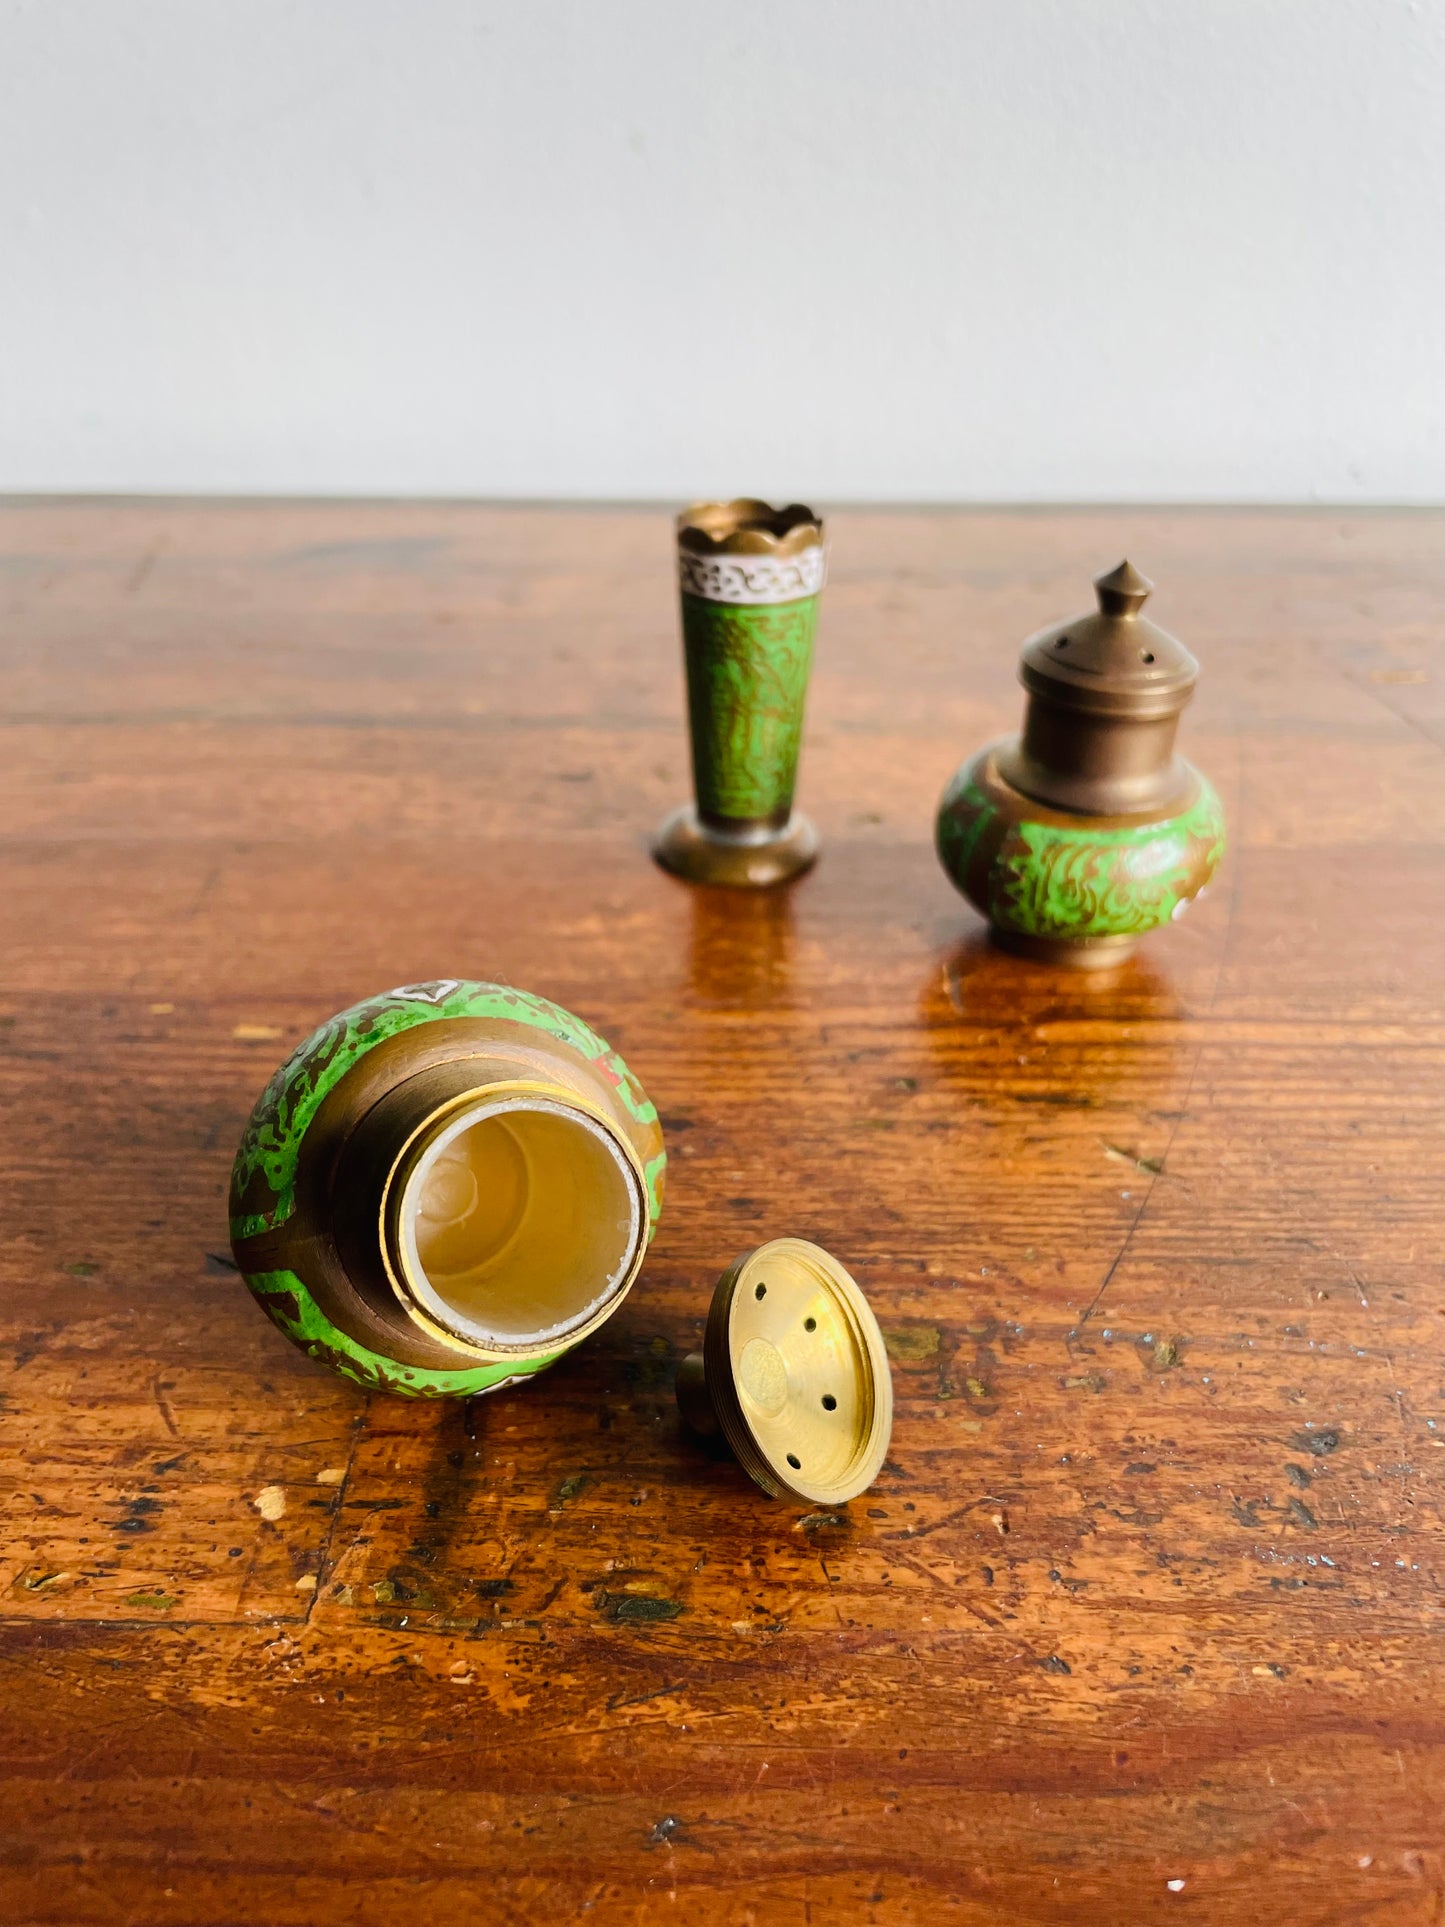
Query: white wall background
[(969, 249)]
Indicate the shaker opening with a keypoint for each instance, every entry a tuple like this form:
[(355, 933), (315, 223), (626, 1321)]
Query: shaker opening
[(519, 1222)]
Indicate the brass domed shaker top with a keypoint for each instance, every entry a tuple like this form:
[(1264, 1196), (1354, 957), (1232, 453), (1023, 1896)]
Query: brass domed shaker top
[(1105, 691)]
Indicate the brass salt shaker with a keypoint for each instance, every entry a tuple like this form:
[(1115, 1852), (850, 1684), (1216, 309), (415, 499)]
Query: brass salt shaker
[(1087, 829)]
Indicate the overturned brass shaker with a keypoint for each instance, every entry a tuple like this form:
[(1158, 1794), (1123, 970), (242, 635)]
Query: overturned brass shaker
[(445, 1188)]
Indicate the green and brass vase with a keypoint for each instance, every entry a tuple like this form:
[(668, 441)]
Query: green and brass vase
[(445, 1188), (750, 577), (1087, 830)]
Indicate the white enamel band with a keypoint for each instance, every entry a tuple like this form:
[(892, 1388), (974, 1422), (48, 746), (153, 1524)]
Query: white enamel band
[(752, 578)]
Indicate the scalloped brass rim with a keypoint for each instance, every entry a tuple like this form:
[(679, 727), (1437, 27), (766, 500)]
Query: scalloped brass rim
[(748, 526)]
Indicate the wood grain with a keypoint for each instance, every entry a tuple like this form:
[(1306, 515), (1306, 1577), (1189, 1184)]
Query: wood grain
[(1149, 1592)]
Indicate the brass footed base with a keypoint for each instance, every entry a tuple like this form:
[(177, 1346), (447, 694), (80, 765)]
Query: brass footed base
[(1091, 953), (740, 859)]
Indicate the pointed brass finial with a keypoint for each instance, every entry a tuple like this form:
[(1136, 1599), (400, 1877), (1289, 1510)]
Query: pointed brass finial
[(1123, 591)]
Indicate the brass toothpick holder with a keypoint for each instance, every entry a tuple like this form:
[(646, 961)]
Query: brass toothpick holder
[(793, 1373), (750, 577)]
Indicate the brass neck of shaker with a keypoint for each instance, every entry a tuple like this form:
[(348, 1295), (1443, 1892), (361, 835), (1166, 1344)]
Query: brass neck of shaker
[(377, 1158), (1105, 692)]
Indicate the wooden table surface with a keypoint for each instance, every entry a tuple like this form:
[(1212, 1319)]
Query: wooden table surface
[(1142, 1620)]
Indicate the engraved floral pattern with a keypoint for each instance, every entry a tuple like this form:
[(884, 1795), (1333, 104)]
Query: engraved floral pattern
[(263, 1177), (752, 578), (747, 676), (1051, 879)]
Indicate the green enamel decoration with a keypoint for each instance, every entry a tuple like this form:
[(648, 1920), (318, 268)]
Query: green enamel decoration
[(265, 1171), (964, 818), (652, 1171), (1087, 829), (264, 1178), (747, 676), (294, 1311), (1049, 880)]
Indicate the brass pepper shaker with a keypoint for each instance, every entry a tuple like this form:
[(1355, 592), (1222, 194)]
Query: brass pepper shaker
[(1088, 829), (794, 1374), (750, 578)]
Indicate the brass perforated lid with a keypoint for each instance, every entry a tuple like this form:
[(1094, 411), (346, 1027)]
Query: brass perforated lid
[(794, 1372), (1113, 661)]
